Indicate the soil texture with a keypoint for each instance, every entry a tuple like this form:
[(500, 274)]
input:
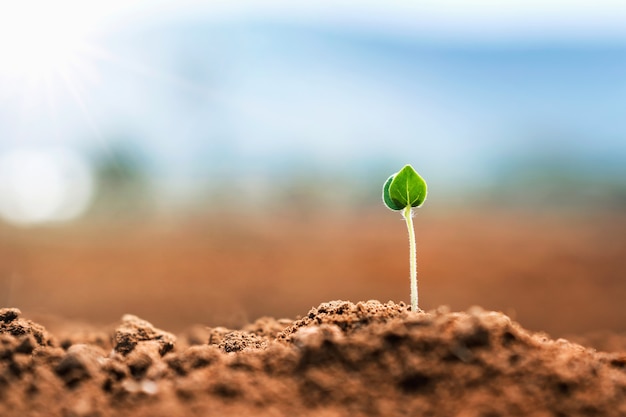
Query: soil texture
[(556, 272), (341, 358)]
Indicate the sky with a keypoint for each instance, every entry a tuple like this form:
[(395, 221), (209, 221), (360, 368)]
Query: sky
[(452, 20), (256, 89)]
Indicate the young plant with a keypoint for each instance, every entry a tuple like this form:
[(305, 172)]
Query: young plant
[(403, 191)]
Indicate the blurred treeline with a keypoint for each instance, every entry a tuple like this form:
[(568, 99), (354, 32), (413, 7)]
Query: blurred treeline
[(130, 185)]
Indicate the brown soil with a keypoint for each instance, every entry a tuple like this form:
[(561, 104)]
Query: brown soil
[(556, 272), (364, 359)]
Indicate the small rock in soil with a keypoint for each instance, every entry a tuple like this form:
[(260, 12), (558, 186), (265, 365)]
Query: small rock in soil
[(135, 330)]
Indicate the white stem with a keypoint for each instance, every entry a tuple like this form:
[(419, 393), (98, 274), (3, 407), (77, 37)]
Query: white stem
[(408, 216)]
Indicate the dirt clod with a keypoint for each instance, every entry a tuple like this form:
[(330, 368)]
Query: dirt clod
[(7, 315), (239, 341), (11, 324), (134, 331)]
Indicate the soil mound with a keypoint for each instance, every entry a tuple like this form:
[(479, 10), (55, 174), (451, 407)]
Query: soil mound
[(364, 359)]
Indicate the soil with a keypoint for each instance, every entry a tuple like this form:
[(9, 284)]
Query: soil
[(363, 359), (553, 271), (556, 272)]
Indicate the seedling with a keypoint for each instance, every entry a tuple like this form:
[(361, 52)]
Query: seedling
[(403, 191)]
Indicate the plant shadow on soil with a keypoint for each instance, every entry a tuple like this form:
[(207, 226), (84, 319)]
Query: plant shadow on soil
[(341, 358)]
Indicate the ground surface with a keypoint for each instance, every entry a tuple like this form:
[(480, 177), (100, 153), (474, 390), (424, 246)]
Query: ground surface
[(559, 272), (364, 359)]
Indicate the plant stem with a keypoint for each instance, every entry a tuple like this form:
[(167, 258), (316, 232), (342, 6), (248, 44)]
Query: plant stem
[(407, 213)]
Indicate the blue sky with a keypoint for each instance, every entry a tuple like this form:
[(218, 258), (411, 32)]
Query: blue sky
[(265, 91)]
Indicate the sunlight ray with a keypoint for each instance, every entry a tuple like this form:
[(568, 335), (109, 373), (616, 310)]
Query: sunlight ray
[(77, 94), (51, 104)]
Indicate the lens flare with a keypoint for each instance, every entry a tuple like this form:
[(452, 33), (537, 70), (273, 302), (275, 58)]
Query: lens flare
[(42, 186)]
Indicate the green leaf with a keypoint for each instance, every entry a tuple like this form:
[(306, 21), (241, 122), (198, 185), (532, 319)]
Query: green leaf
[(403, 189), (386, 198)]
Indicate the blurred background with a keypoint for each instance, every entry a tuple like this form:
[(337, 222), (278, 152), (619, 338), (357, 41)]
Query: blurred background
[(214, 162)]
